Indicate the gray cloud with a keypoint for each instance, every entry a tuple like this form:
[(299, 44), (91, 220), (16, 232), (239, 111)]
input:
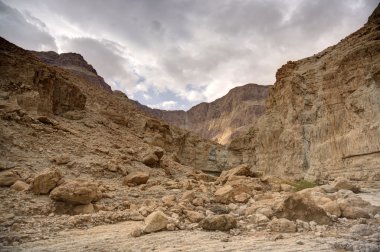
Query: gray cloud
[(15, 27), (196, 49)]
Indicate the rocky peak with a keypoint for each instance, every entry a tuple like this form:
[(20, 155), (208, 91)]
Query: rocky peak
[(75, 63)]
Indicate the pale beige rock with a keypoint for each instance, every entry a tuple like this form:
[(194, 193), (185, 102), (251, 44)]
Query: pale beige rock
[(155, 221), (84, 209), (259, 219), (8, 178), (286, 188), (332, 208), (136, 178), (20, 185), (224, 194), (282, 225), (45, 181), (77, 192), (242, 197), (168, 199), (194, 216), (188, 195)]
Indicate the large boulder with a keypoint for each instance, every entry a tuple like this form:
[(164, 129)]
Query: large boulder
[(45, 181), (77, 192), (7, 178), (136, 178), (153, 157), (343, 183), (221, 222), (155, 221), (301, 206)]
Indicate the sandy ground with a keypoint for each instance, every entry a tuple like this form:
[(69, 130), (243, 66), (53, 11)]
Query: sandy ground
[(116, 238)]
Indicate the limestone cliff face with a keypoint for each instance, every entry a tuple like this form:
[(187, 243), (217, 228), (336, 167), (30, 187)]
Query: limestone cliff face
[(75, 63), (222, 119), (323, 114)]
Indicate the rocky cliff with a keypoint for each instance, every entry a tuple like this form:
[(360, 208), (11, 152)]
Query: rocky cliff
[(323, 114), (223, 119)]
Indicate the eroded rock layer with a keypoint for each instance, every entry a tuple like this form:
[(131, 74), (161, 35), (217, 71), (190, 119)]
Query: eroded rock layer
[(323, 114)]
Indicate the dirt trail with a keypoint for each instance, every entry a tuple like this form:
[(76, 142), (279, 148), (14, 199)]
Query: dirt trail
[(116, 238)]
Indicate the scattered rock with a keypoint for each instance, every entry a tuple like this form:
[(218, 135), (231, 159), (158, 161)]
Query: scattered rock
[(150, 159), (361, 230), (20, 186), (77, 192), (45, 181), (8, 178), (282, 225), (62, 159), (137, 232), (136, 178), (155, 221), (219, 222), (241, 170), (242, 197)]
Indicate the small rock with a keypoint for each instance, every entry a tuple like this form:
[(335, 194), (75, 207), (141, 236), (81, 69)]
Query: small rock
[(20, 186), (242, 197), (136, 178), (283, 225), (219, 222), (8, 178), (188, 195), (155, 221), (136, 232), (62, 159), (300, 242), (259, 219), (286, 188), (198, 202), (361, 230)]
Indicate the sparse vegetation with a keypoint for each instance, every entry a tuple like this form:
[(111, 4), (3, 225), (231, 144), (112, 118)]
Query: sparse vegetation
[(303, 184)]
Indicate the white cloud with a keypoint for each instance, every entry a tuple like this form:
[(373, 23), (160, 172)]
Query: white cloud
[(166, 105)]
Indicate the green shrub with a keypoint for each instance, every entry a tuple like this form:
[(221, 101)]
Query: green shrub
[(303, 184)]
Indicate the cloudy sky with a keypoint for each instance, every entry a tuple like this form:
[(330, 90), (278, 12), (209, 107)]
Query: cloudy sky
[(173, 54)]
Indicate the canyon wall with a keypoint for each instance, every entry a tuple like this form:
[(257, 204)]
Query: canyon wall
[(220, 120), (323, 114)]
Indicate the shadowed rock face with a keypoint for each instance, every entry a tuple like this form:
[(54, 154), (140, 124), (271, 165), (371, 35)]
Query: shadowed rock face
[(223, 119), (323, 114)]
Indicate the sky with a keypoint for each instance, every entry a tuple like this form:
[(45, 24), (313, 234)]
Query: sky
[(173, 54)]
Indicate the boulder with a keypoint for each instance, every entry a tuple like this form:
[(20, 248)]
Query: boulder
[(45, 181), (222, 222), (282, 225), (136, 178), (343, 183), (20, 186), (332, 208), (224, 194), (155, 221), (241, 170), (77, 192), (301, 206), (8, 178)]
